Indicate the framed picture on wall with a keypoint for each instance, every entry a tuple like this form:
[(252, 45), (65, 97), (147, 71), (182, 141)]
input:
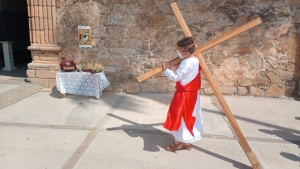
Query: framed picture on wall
[(84, 36)]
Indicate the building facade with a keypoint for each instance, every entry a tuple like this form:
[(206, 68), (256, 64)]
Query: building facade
[(130, 37)]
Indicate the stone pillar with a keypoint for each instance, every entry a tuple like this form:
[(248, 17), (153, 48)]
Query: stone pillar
[(43, 39), (8, 55)]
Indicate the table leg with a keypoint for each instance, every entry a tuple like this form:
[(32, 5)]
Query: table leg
[(61, 95)]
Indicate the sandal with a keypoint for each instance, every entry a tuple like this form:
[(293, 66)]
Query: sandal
[(174, 146), (187, 146)]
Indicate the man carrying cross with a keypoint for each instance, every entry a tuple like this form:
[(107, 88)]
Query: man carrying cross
[(184, 118)]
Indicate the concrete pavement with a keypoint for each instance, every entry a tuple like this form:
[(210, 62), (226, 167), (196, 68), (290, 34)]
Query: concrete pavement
[(42, 130)]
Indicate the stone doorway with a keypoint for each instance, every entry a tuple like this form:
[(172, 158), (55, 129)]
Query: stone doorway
[(14, 27)]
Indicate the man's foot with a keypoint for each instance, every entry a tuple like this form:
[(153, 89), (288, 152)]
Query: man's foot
[(187, 146), (174, 146)]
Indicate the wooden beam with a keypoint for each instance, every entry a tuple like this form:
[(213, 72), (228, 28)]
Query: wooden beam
[(242, 140), (141, 78)]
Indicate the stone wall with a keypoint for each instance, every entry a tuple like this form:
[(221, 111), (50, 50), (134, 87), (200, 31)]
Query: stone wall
[(133, 36)]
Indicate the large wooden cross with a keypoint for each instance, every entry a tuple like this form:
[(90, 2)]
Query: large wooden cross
[(241, 138)]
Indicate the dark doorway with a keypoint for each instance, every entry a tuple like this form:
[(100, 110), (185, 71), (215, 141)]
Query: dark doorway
[(14, 27)]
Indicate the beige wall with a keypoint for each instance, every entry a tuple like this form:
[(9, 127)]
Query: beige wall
[(133, 36)]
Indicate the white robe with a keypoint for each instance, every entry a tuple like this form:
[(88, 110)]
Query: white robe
[(186, 72)]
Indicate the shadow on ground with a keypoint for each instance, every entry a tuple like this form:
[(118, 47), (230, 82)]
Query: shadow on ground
[(258, 122), (288, 136), (20, 72), (163, 139)]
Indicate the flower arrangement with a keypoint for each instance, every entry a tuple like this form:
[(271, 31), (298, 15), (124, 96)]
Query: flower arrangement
[(91, 67)]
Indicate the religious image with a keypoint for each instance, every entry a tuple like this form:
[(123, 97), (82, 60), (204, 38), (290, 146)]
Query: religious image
[(84, 36)]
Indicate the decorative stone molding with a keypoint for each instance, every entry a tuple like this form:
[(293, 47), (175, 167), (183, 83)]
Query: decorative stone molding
[(42, 22), (43, 39)]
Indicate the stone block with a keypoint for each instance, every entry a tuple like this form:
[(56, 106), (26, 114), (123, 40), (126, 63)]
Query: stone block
[(242, 39), (129, 43), (150, 81), (244, 82), (242, 91), (143, 2), (46, 74), (48, 54), (30, 73), (241, 21), (283, 29), (133, 88), (39, 81), (259, 81), (257, 31), (274, 91), (278, 4), (285, 75), (134, 32), (134, 9), (228, 90), (218, 58), (117, 19), (51, 59), (227, 82), (161, 80), (108, 89), (104, 9), (161, 88), (204, 84), (35, 58), (255, 62), (263, 5), (119, 88), (54, 67), (38, 66), (254, 91), (52, 82), (117, 32), (208, 17), (243, 50), (273, 78), (295, 3), (282, 47), (119, 8), (289, 91), (113, 43), (147, 88), (258, 41), (297, 16), (208, 91), (171, 88)]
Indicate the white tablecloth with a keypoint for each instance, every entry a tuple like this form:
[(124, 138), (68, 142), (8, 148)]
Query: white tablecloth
[(81, 83)]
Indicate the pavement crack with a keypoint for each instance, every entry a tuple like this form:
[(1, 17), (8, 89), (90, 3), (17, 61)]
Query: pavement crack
[(46, 126)]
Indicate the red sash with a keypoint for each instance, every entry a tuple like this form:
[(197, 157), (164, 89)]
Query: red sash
[(183, 104)]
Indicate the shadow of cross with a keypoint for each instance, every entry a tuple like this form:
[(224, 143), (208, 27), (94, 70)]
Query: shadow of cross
[(159, 139), (237, 131), (133, 131)]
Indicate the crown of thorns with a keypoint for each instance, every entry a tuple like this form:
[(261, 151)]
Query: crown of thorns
[(186, 47)]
